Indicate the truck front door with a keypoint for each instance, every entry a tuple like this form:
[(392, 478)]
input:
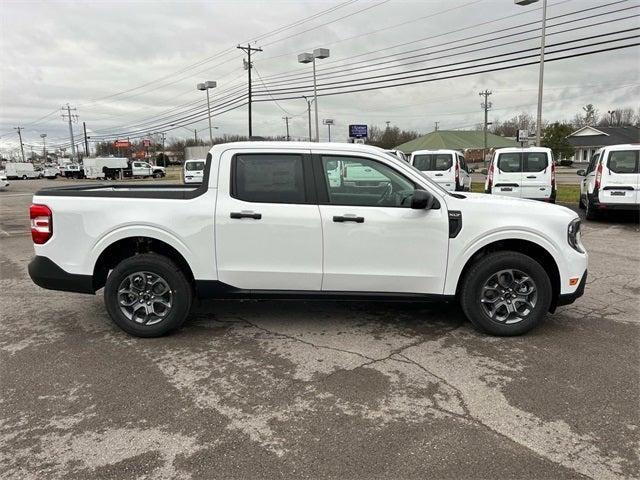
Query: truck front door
[(267, 221)]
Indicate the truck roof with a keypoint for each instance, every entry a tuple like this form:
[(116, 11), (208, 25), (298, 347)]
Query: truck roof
[(335, 146)]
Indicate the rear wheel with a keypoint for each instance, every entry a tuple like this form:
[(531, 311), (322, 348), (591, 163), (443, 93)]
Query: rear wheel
[(506, 293), (591, 211), (148, 295), (24, 177), (581, 204)]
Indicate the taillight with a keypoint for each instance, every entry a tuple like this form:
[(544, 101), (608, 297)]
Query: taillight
[(553, 175), (598, 176), (41, 223), (490, 175)]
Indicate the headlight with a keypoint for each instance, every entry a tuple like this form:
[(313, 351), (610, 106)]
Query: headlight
[(573, 236)]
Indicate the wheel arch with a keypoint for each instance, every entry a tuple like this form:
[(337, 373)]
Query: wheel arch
[(526, 247), (128, 247)]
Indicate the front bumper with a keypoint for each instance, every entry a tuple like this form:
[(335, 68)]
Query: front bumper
[(569, 298), (47, 274)]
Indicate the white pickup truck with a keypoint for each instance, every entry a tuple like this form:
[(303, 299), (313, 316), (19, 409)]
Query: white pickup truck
[(267, 223)]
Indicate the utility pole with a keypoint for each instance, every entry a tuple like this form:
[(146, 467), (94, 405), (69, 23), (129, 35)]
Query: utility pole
[(436, 129), (286, 120), (86, 142), (248, 65), (309, 114), (19, 129), (44, 146), (195, 135), (70, 118), (486, 105)]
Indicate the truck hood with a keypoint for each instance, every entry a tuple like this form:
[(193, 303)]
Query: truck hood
[(498, 203)]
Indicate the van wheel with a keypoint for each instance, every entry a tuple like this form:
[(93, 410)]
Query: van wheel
[(581, 204), (148, 295), (24, 177), (506, 293)]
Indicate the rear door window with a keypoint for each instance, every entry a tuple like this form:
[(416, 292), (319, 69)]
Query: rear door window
[(535, 161), (510, 162), (433, 162), (625, 161), (194, 166), (268, 178)]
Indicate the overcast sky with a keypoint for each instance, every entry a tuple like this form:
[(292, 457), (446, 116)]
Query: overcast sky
[(121, 63)]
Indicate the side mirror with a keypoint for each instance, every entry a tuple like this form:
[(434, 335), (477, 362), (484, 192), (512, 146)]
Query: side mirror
[(423, 200), (582, 173)]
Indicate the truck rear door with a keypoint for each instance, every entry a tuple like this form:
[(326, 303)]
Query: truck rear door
[(267, 221), (508, 174), (620, 178)]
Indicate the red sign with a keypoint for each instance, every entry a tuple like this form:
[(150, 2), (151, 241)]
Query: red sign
[(122, 144), (146, 143)]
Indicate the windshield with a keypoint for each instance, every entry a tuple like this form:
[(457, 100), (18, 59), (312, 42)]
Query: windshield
[(193, 166), (433, 162)]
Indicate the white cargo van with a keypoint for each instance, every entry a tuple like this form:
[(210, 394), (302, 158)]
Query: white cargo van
[(194, 171), (445, 167), (17, 170), (612, 180), (522, 172)]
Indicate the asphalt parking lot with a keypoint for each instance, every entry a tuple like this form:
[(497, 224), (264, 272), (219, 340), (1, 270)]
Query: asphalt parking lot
[(319, 389)]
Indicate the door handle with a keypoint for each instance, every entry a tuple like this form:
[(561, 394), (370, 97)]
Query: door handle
[(347, 218), (531, 176), (255, 216), (438, 174)]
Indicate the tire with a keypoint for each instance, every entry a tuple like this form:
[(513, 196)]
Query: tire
[(157, 175), (24, 177), (591, 212), (180, 295), (581, 204), (481, 273)]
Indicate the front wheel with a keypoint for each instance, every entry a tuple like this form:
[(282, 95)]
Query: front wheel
[(506, 293), (148, 295), (24, 177)]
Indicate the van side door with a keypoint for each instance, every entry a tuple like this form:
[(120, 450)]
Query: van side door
[(267, 222)]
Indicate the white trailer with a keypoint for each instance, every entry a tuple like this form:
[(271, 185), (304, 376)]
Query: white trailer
[(16, 170), (101, 167)]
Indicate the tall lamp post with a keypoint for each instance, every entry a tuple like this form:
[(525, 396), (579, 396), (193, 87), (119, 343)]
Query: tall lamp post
[(541, 75), (206, 86), (311, 58)]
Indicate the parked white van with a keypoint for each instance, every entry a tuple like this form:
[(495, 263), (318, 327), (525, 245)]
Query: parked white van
[(16, 170), (445, 167), (612, 180), (194, 171), (522, 172)]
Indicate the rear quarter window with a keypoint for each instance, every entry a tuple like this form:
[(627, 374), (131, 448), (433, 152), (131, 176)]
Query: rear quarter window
[(535, 161), (625, 161), (268, 178)]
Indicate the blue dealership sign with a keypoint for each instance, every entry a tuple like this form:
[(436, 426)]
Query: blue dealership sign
[(358, 131)]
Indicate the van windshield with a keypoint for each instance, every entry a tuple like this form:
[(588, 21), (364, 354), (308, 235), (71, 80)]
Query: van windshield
[(625, 161), (433, 162), (193, 166)]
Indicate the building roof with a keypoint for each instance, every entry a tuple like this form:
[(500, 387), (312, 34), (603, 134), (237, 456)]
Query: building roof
[(456, 140), (603, 136)]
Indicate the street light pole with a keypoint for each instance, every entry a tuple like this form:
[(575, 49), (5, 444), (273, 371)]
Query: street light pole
[(311, 58), (541, 73), (206, 86)]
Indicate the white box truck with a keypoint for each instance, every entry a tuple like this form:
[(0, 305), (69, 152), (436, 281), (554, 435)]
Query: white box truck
[(105, 167), (16, 170)]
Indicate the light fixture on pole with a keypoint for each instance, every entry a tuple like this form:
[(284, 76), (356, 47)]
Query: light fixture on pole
[(206, 86), (541, 74), (311, 58)]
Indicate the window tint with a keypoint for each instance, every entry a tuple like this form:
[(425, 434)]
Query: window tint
[(510, 162), (625, 161), (268, 178), (193, 166), (365, 182), (535, 161), (433, 162), (463, 164)]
